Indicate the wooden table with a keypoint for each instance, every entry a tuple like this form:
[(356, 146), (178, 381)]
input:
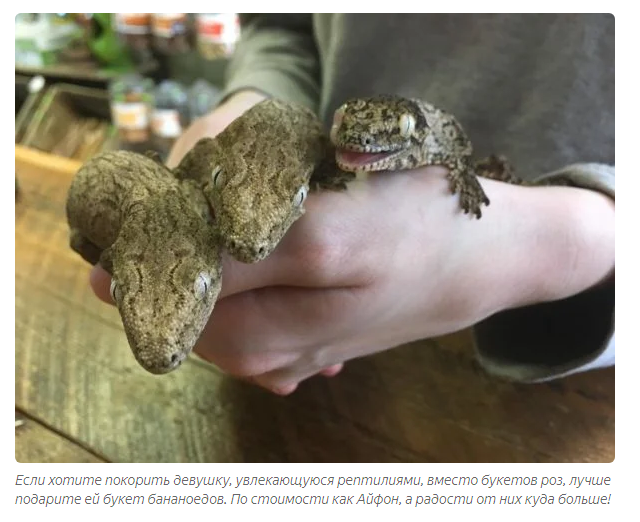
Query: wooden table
[(82, 397)]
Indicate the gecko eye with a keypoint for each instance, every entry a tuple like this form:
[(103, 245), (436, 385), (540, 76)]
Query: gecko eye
[(407, 124), (300, 196), (217, 176), (114, 291), (201, 285)]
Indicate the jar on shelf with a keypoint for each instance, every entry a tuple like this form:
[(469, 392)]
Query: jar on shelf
[(203, 97), (134, 29), (171, 32), (170, 115), (217, 34), (131, 99)]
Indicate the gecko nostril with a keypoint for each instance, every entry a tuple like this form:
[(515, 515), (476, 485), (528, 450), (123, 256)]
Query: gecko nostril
[(261, 250), (174, 358)]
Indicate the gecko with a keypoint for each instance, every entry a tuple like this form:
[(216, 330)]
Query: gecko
[(154, 234), (388, 133), (257, 172), (263, 165), (160, 232)]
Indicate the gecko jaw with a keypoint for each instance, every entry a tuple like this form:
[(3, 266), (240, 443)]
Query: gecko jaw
[(358, 161)]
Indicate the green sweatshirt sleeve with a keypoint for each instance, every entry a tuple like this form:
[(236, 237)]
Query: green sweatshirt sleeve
[(277, 56), (552, 340)]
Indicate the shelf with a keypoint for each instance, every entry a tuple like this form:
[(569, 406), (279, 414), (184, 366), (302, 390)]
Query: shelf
[(88, 71), (27, 157)]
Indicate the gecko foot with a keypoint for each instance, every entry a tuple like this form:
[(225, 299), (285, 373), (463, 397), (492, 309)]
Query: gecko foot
[(472, 195), (328, 176)]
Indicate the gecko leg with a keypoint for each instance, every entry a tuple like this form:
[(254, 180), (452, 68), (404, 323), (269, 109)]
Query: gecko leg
[(497, 168), (462, 181), (155, 156), (328, 176)]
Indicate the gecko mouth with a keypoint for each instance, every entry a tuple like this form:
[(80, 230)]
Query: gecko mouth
[(352, 161)]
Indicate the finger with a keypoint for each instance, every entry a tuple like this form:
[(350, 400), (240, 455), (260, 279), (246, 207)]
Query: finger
[(332, 371), (303, 258), (285, 381), (287, 389), (261, 330), (319, 250), (278, 390), (100, 281)]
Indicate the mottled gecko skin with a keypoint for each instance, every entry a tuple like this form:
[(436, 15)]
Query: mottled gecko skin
[(155, 236), (152, 228), (403, 133), (258, 172)]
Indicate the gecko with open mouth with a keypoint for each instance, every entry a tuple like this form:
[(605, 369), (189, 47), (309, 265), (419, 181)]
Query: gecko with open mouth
[(160, 232), (263, 165)]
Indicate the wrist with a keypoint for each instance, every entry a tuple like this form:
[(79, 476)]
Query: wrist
[(556, 242)]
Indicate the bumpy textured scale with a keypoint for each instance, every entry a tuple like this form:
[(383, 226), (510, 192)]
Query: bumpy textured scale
[(151, 228), (154, 235)]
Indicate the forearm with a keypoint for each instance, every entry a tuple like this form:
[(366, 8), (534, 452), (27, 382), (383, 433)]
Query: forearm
[(562, 243), (277, 56), (551, 292)]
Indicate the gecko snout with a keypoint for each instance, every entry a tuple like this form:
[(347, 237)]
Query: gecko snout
[(172, 361), (247, 252)]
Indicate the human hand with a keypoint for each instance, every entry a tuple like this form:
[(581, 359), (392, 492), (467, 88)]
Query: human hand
[(212, 124), (393, 260)]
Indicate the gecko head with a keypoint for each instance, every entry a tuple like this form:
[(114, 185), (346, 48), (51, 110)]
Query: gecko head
[(165, 284), (253, 210), (377, 133)]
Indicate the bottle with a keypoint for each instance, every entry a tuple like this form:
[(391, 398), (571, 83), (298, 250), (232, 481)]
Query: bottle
[(171, 33), (217, 34), (203, 97), (131, 99), (170, 115), (134, 30)]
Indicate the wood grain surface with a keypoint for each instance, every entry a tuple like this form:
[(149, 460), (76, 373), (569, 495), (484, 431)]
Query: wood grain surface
[(84, 397)]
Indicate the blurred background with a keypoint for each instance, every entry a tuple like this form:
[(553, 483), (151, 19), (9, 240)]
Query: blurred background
[(89, 82)]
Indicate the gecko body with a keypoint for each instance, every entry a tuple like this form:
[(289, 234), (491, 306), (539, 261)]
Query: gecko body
[(263, 165), (153, 230), (387, 132), (153, 233), (257, 172)]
